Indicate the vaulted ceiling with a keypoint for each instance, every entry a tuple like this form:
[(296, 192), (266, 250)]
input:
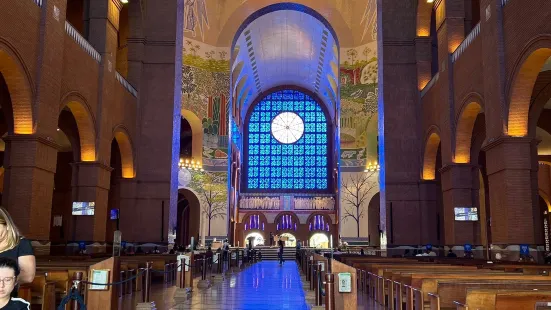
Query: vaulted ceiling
[(285, 47)]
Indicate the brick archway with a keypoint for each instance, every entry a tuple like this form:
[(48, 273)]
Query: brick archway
[(82, 113), (196, 132), (526, 72), (429, 158), (20, 88), (464, 130), (121, 135)]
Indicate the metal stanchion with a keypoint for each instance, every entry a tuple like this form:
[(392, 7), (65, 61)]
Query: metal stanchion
[(183, 274), (147, 286), (77, 278), (313, 278), (329, 293), (318, 285), (204, 273)]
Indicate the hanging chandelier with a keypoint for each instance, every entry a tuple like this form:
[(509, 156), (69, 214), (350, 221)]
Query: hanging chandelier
[(190, 165)]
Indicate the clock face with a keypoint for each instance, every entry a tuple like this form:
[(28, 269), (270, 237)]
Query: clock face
[(287, 127)]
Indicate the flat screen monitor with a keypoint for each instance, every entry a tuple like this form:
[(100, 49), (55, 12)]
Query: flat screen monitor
[(114, 214), (466, 214), (83, 208)]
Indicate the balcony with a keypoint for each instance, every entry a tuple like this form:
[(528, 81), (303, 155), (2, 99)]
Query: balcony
[(465, 44), (80, 40)]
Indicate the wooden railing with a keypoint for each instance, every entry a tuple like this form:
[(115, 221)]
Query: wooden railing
[(73, 33), (126, 85), (468, 40)]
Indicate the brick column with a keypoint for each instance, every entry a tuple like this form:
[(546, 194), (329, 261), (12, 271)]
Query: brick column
[(457, 193), (509, 169), (104, 27), (423, 56), (93, 181), (30, 163), (429, 209), (400, 136), (136, 43), (495, 106), (130, 232)]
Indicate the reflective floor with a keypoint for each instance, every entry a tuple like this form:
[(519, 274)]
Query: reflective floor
[(264, 285)]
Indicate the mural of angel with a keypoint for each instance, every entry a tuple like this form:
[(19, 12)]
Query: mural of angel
[(369, 19), (195, 14)]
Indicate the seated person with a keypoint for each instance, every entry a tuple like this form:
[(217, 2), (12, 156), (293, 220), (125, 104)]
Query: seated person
[(451, 254), (9, 271)]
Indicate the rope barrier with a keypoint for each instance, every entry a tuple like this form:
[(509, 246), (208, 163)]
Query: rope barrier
[(73, 295)]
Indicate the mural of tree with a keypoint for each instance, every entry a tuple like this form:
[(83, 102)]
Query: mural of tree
[(211, 188), (188, 81), (356, 192)]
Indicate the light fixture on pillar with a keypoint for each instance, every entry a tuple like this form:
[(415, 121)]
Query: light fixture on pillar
[(190, 165), (372, 167), (124, 1)]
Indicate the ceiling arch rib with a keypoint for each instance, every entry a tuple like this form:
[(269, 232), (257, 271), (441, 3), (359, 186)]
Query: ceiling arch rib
[(288, 47)]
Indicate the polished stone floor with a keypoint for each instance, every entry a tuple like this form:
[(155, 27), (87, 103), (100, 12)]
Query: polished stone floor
[(262, 286)]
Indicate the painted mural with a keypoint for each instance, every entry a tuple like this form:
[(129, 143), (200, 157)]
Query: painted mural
[(211, 190), (205, 92), (358, 119)]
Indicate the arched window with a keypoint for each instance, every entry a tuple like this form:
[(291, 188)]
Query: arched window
[(287, 144)]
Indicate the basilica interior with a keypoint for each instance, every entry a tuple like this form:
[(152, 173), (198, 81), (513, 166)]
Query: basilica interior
[(389, 154)]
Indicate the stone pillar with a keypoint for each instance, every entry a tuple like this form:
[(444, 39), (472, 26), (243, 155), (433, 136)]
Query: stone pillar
[(93, 181), (30, 163), (509, 165), (457, 193)]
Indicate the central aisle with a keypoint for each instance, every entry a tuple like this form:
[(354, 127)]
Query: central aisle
[(264, 285)]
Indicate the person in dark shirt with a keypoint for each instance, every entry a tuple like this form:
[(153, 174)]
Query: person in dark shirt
[(17, 248), (451, 254), (280, 251), (9, 272)]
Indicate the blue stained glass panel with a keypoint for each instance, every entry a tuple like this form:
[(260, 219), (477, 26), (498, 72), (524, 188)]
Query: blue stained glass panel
[(301, 165)]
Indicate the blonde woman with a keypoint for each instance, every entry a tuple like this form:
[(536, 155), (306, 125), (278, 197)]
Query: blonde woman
[(16, 247)]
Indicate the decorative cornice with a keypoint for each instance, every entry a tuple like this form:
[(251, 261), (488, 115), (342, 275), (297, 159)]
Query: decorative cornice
[(493, 142), (95, 164), (49, 141), (399, 42), (448, 167)]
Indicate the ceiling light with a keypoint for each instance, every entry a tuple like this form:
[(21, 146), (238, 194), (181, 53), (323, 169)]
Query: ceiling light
[(126, 1), (430, 1)]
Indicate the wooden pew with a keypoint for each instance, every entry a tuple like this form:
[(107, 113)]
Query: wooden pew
[(450, 291), (42, 293), (503, 299)]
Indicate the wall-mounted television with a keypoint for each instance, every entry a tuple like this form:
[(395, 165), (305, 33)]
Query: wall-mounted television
[(466, 214), (114, 214), (83, 208)]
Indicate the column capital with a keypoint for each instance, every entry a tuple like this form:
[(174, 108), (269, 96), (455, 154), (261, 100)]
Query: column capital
[(510, 153), (93, 174), (498, 141), (457, 176)]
